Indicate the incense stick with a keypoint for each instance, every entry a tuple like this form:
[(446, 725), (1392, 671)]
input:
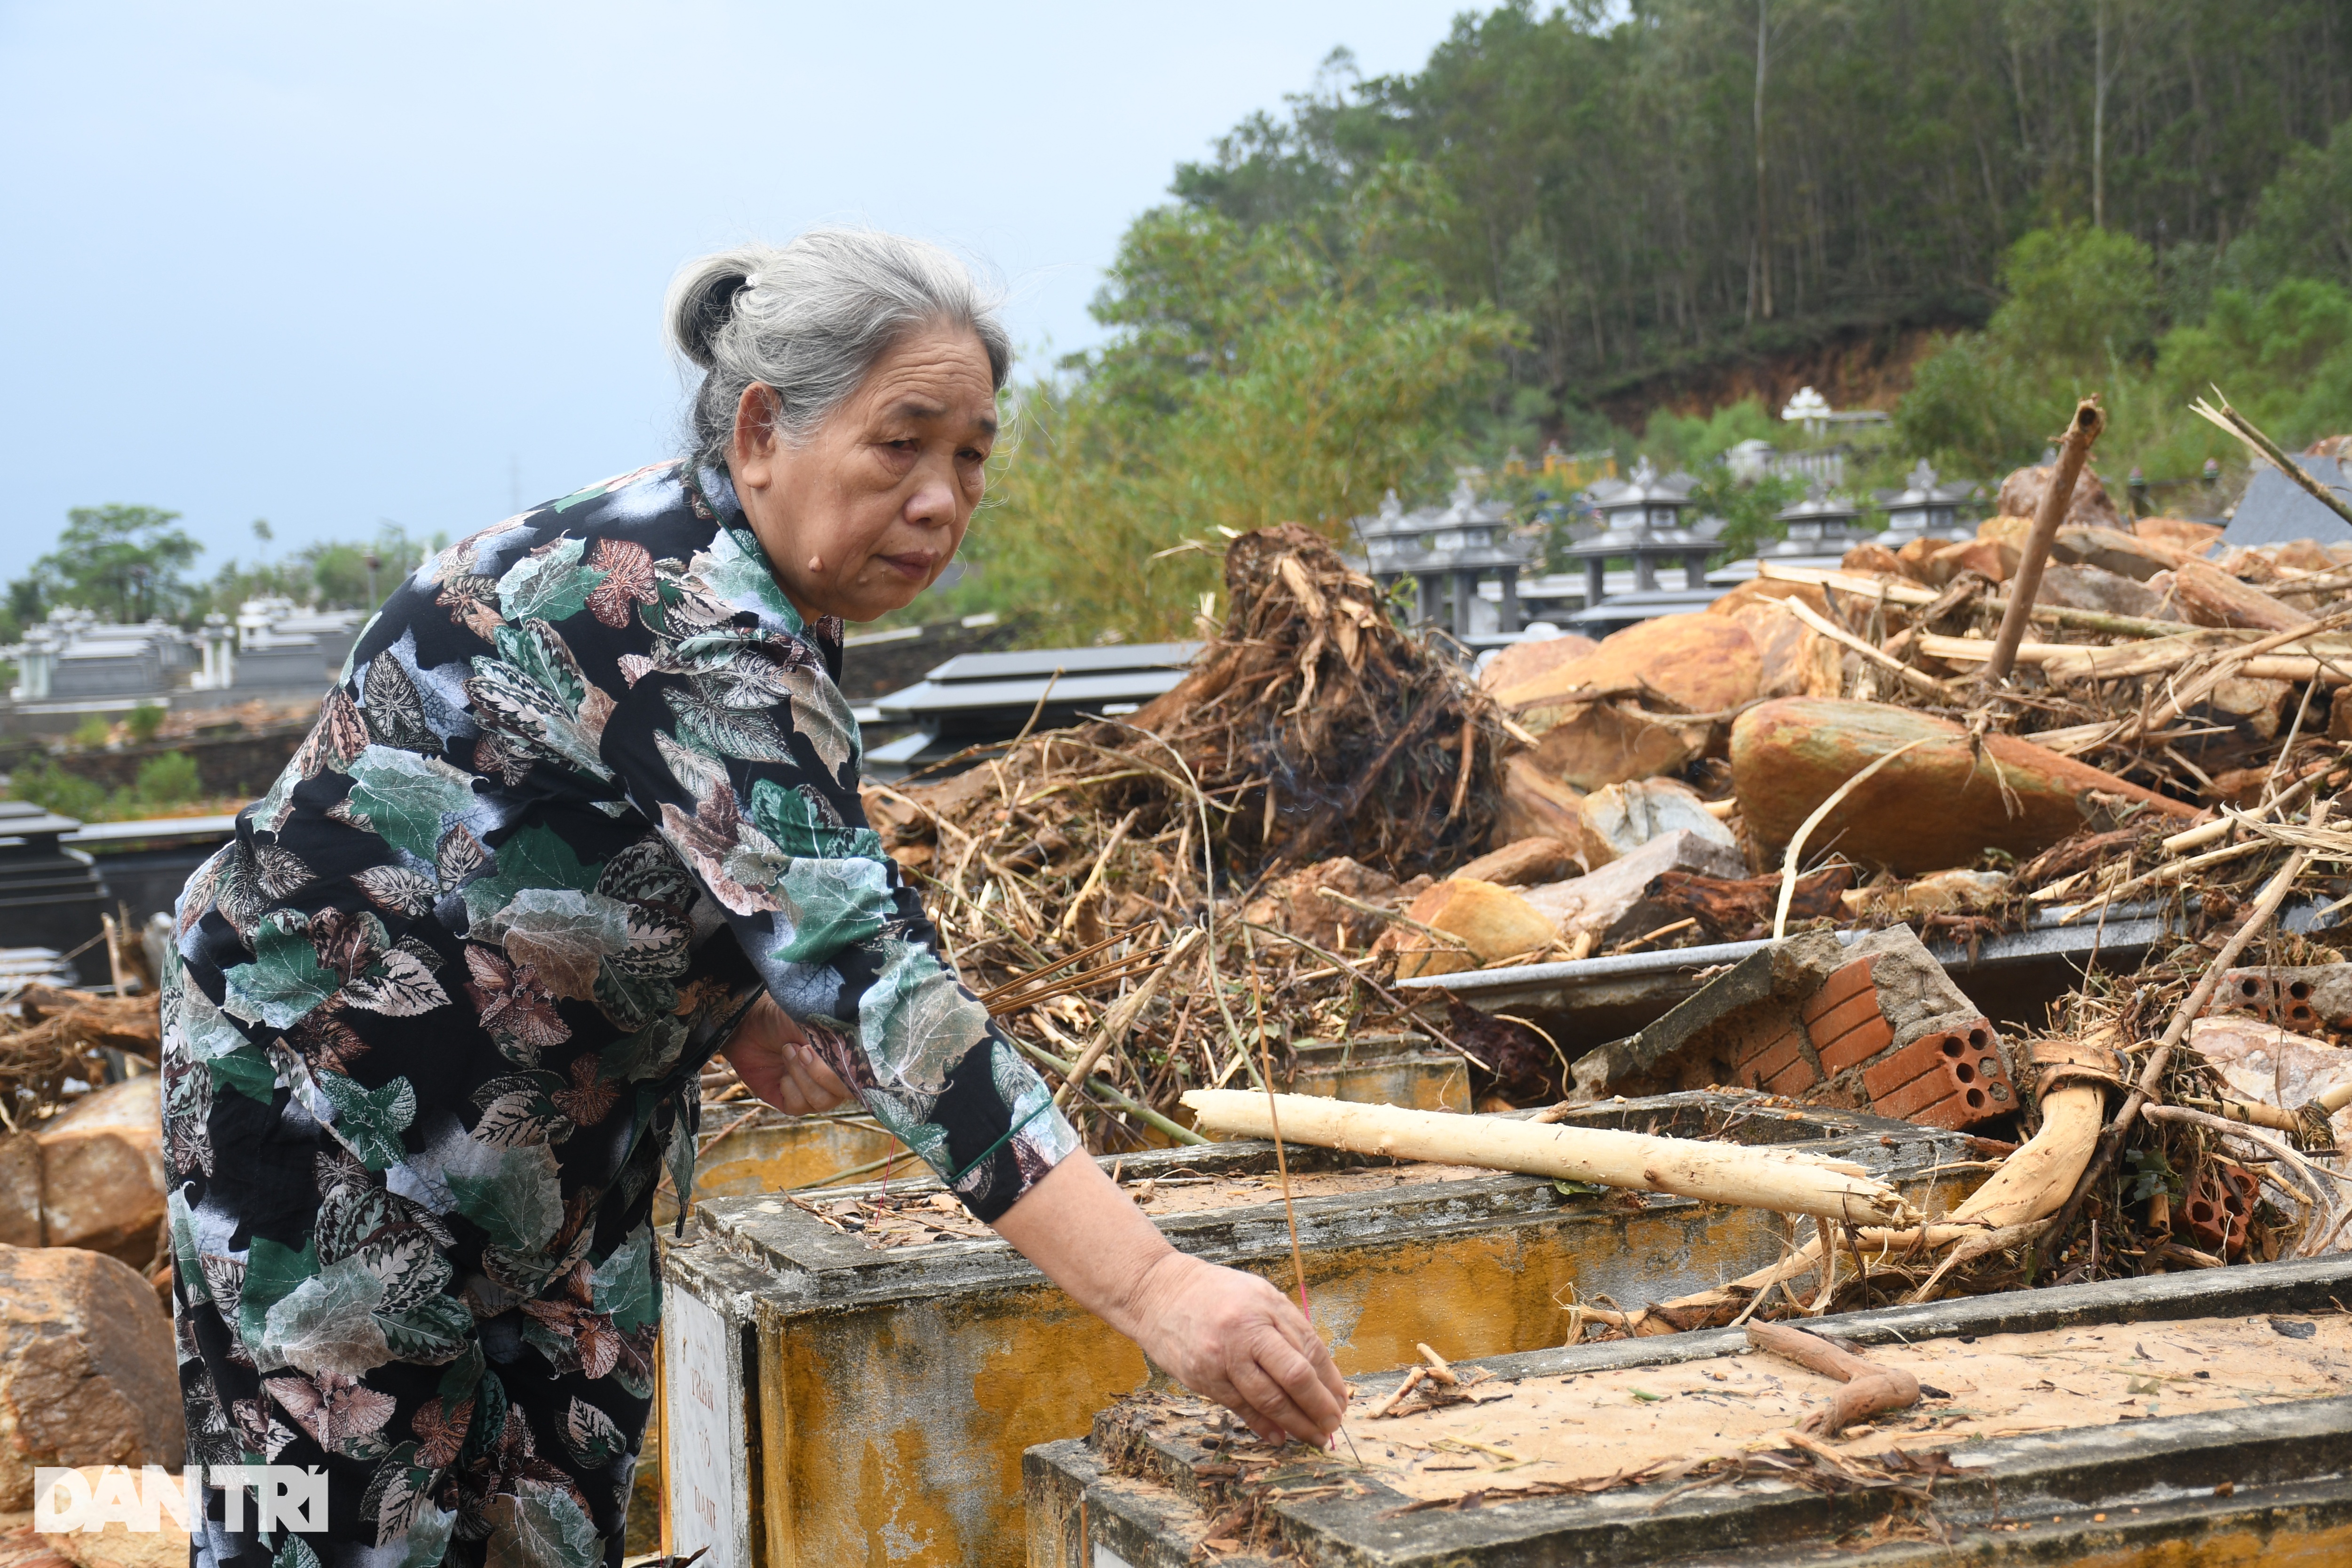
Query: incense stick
[(1290, 1213)]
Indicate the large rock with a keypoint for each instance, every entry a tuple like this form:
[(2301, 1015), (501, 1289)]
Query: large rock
[(1994, 559), (1623, 897), (2022, 492), (1873, 559), (1622, 817), (1938, 805), (1603, 743), (1700, 663), (1525, 862), (1524, 661), (1764, 590), (2112, 549), (2179, 533), (1795, 659), (20, 1185), (2211, 597), (2096, 588), (1535, 803), (2269, 1066), (99, 1171), (1495, 922), (112, 1545), (88, 1371)]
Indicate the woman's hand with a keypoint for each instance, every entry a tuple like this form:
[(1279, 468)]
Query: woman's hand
[(776, 1063), (1220, 1333), (1236, 1339)]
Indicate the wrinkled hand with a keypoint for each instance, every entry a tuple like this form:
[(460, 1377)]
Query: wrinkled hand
[(1235, 1339), (776, 1063)]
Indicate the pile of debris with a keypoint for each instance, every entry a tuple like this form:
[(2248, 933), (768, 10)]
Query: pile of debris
[(1343, 814), (1311, 734), (87, 1371)]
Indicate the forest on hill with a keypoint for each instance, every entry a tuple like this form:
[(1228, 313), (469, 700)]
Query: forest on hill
[(1711, 176), (1570, 224), (1565, 213)]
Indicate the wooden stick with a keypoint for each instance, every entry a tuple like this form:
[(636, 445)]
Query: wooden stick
[(2110, 1140), (1786, 1181), (1805, 828), (1377, 989), (1912, 598), (1397, 1396), (2204, 833), (1095, 876), (1443, 938), (1871, 1388), (2243, 428), (1021, 981), (1919, 680), (1122, 1016), (2072, 448), (1176, 1130), (1119, 969), (2218, 1125), (2188, 696), (1439, 1370)]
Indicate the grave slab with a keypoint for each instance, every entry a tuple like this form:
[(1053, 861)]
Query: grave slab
[(854, 1372), (2250, 1463)]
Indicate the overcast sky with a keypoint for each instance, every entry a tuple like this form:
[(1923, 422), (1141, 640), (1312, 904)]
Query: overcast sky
[(326, 264)]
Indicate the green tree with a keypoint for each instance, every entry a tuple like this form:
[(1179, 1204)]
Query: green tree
[(1290, 372), (356, 575), (2078, 318), (127, 561), (1628, 179), (2284, 357), (2304, 226)]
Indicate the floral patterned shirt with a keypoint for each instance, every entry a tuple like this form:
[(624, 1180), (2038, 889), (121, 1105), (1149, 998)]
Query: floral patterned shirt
[(586, 785)]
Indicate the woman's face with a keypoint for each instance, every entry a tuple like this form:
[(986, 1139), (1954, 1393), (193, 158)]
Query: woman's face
[(863, 515)]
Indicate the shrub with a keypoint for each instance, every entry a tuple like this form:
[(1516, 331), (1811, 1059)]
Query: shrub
[(167, 781), (54, 789)]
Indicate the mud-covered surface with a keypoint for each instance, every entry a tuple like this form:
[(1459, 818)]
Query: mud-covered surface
[(922, 1215), (1600, 1425)]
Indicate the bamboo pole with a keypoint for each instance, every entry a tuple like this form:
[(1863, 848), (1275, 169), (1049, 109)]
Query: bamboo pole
[(2073, 447), (1785, 1181)]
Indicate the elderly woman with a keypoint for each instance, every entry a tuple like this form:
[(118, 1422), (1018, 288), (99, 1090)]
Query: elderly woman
[(582, 810)]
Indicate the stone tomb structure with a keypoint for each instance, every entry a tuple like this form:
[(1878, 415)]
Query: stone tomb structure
[(1922, 509), (72, 664), (1448, 554), (866, 1366), (2196, 1418)]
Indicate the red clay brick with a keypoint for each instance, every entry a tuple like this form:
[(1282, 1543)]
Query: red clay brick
[(1856, 1046), (2221, 1201), (2255, 992), (1843, 1018), (1765, 1069), (1942, 1081), (1841, 986)]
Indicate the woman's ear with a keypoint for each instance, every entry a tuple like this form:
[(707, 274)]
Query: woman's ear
[(754, 443)]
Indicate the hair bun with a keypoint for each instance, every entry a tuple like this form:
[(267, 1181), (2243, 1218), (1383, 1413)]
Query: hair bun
[(702, 301)]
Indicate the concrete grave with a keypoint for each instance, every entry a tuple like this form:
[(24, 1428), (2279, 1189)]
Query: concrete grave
[(847, 1368), (2189, 1468)]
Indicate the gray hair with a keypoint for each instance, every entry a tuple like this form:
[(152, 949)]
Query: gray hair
[(808, 319)]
